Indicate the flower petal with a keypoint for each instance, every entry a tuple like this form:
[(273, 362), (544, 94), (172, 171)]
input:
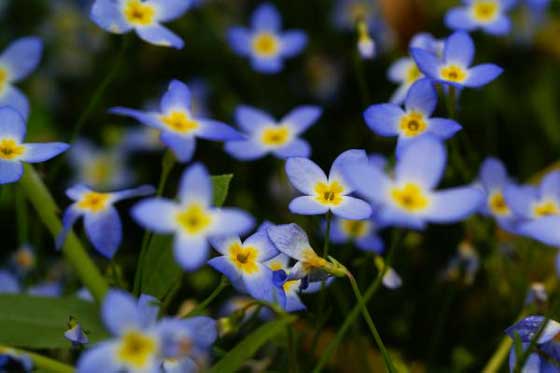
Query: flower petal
[(293, 42), (232, 221), (12, 124), (520, 199), (141, 191), (42, 152), (177, 98), (169, 10), (383, 119), (149, 119), (443, 128), (161, 36), (107, 15), (296, 148), (352, 208), (304, 174), (266, 17), (120, 312), (223, 243), (239, 39), (493, 174), (224, 265), (99, 358), (482, 74), (267, 65), (501, 26), (459, 49), (260, 286), (262, 243), (423, 162), (422, 97), (550, 185), (14, 98), (302, 117), (104, 230), (289, 239), (367, 180), (195, 185), (349, 157), (22, 57), (156, 214), (545, 230), (460, 19), (217, 131), (307, 205), (246, 150), (10, 171), (454, 204), (183, 147), (148, 310), (251, 119), (191, 252), (427, 62), (71, 215)]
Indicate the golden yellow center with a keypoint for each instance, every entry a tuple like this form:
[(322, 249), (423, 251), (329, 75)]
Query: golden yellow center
[(498, 205), (265, 44), (453, 73), (10, 149), (138, 13), (289, 285), (410, 197), (3, 78), (24, 258), (546, 208), (180, 122), (136, 349), (412, 73), (94, 201), (276, 136), (412, 124), (485, 10), (355, 228), (244, 258), (329, 193), (194, 219), (98, 171), (275, 265)]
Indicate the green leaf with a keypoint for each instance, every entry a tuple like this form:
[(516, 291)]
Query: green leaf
[(249, 346), (160, 273), (39, 322)]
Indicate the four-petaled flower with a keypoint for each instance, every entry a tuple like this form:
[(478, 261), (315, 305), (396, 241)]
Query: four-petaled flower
[(266, 45), (487, 15)]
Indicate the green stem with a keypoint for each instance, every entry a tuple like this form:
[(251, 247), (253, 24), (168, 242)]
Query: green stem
[(40, 361), (451, 102), (41, 199), (202, 306), (327, 235), (21, 217)]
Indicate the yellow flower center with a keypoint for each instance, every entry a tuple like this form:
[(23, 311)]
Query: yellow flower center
[(329, 193), (265, 44), (413, 73), (497, 204), (139, 13), (412, 124), (10, 149), (453, 73), (180, 122), (244, 258), (289, 285), (136, 349), (194, 219), (94, 201), (3, 79), (485, 11), (275, 136), (98, 171), (410, 197), (275, 265), (24, 258), (355, 228), (546, 208)]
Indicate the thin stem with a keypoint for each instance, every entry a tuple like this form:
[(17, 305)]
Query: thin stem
[(202, 306), (327, 234), (40, 361), (41, 199), (21, 217)]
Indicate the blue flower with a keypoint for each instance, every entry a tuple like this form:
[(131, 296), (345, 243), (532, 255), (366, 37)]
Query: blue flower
[(23, 259), (16, 63), (243, 264), (362, 233), (266, 135), (101, 220), (9, 284), (178, 125), (142, 343), (487, 15), (454, 67), (13, 151), (75, 333), (143, 16), (547, 354), (265, 43), (324, 194), (192, 218), (408, 199), (14, 361), (413, 122)]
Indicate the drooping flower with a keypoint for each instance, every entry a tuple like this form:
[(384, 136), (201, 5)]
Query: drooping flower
[(192, 219), (413, 122), (488, 15), (178, 125), (143, 16), (16, 63), (409, 199), (142, 343), (101, 220), (266, 135), (454, 67), (13, 151), (265, 44), (322, 193)]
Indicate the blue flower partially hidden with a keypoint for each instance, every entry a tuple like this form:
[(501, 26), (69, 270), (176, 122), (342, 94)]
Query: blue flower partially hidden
[(143, 16), (487, 15), (265, 44), (178, 125), (13, 151), (101, 220)]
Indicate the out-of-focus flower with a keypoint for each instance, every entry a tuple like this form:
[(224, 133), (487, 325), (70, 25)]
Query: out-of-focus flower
[(14, 361), (322, 193), (391, 279), (192, 218), (362, 233), (9, 283), (48, 288), (13, 152), (144, 17), (23, 259), (16, 63), (366, 45), (265, 43), (454, 67), (413, 122), (324, 75), (179, 127), (464, 265), (537, 294), (75, 333), (408, 199), (488, 15), (101, 220)]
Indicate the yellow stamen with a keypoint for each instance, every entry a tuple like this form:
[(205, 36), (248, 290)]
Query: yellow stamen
[(10, 149), (139, 13), (180, 122), (453, 73), (413, 73), (355, 228), (329, 193), (265, 44), (485, 11), (194, 219), (275, 136), (546, 208), (3, 78), (497, 204), (94, 202), (137, 349), (289, 285), (410, 197), (413, 124), (244, 258), (24, 258)]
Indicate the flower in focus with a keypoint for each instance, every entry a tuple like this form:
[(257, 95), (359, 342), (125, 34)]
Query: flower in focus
[(322, 193), (101, 220), (487, 15), (454, 67), (408, 199), (266, 135), (16, 63), (413, 122), (192, 218), (13, 152), (144, 17), (265, 43), (178, 126)]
